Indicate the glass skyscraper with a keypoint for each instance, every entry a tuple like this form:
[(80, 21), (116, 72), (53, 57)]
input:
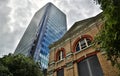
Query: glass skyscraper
[(47, 26)]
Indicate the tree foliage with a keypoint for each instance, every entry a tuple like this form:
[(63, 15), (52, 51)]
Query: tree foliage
[(109, 36), (4, 71), (18, 65)]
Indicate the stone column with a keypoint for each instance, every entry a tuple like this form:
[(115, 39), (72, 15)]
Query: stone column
[(75, 70)]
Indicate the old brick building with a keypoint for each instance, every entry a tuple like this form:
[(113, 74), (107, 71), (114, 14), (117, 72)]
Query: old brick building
[(74, 54)]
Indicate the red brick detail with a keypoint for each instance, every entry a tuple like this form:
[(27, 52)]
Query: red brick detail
[(91, 54), (87, 36), (57, 53), (81, 58), (57, 69), (63, 52), (74, 44), (87, 55), (78, 39)]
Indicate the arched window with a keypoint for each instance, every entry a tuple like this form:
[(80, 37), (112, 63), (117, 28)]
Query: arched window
[(83, 43), (60, 54)]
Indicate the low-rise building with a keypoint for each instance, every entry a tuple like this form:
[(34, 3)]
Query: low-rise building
[(75, 55)]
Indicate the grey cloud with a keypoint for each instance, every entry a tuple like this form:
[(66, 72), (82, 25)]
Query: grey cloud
[(78, 9), (22, 12), (4, 12), (4, 20)]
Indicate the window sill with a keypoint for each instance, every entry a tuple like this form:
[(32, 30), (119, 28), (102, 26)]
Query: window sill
[(51, 63), (69, 54), (60, 60), (83, 49)]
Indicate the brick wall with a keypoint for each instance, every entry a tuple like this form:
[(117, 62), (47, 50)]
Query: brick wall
[(69, 63)]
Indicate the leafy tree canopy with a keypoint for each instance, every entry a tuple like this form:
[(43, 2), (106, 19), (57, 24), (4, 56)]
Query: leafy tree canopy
[(18, 65), (109, 36)]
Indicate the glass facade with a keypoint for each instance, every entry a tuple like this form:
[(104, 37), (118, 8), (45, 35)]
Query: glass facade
[(47, 26)]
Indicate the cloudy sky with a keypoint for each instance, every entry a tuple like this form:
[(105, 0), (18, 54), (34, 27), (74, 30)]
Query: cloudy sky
[(15, 15)]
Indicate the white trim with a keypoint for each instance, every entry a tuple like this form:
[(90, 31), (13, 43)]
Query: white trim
[(70, 67), (51, 63), (86, 42), (69, 54), (69, 64), (89, 68), (61, 55), (60, 60), (82, 49)]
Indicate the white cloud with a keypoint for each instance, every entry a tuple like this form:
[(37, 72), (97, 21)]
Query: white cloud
[(15, 16)]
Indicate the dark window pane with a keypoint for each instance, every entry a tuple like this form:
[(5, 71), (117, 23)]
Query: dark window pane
[(82, 41), (95, 66), (59, 56), (60, 72), (62, 55), (83, 44), (77, 47), (83, 68), (42, 52), (88, 41), (42, 46)]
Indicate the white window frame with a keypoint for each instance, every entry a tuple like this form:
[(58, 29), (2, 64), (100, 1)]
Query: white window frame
[(79, 43)]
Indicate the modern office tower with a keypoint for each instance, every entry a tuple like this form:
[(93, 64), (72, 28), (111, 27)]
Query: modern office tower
[(47, 26)]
